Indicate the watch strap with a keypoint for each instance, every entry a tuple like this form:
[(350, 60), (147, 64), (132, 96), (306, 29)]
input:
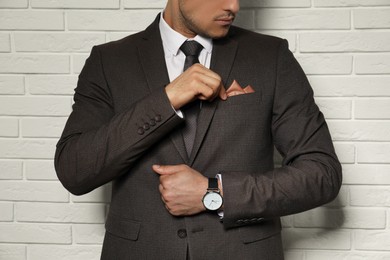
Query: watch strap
[(213, 184)]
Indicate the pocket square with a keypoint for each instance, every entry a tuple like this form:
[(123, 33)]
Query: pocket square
[(235, 89)]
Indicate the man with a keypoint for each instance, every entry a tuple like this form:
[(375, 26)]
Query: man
[(129, 125)]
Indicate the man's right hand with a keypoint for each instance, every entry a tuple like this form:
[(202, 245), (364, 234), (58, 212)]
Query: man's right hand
[(197, 82)]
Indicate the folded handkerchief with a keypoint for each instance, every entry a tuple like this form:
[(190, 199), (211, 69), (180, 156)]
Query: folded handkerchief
[(236, 89)]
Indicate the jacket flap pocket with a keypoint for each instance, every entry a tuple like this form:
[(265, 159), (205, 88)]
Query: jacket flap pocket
[(124, 228), (253, 233)]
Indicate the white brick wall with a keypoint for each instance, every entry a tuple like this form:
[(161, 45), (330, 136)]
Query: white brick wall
[(343, 45)]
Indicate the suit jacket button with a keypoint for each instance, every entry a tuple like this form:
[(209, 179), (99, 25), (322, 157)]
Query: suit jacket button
[(182, 233), (140, 131), (158, 118), (152, 122)]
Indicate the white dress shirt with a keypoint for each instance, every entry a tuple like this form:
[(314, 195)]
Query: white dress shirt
[(174, 57)]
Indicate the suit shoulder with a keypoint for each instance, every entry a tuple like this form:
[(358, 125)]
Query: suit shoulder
[(126, 42)]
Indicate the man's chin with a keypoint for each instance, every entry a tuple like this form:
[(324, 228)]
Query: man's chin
[(217, 34)]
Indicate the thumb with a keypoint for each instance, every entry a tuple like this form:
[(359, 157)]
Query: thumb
[(163, 169)]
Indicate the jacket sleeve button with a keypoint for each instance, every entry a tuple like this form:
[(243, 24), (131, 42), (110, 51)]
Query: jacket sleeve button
[(158, 118), (146, 126), (140, 131)]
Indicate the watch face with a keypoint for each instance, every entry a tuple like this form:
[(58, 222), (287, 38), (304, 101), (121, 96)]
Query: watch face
[(212, 201)]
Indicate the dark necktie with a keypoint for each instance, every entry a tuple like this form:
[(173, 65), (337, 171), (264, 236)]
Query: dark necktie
[(191, 49)]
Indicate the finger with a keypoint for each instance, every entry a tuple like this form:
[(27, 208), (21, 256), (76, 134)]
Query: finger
[(222, 93), (208, 89), (161, 169), (166, 169)]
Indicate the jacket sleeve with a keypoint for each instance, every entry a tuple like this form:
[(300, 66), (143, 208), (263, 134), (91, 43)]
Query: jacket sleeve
[(310, 174), (98, 145)]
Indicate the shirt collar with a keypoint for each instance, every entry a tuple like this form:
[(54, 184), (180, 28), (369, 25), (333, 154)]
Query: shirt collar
[(172, 40)]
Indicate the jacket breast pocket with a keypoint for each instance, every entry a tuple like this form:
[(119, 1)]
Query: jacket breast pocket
[(243, 99), (240, 107)]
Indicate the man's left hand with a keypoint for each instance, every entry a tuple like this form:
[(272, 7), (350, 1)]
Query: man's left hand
[(182, 189)]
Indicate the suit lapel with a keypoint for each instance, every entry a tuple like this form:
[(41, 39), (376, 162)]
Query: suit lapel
[(224, 52), (151, 55)]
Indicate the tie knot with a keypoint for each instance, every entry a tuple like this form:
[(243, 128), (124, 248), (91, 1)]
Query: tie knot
[(191, 48)]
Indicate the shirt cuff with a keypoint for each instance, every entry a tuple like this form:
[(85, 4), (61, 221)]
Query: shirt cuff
[(178, 112)]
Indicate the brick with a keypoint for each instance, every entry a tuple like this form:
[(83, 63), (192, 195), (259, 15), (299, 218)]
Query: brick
[(293, 255), (110, 20), (27, 148), (51, 84), (31, 20), (342, 218), (13, 85), (88, 234), (326, 64), (11, 170), (92, 4), (302, 19), (287, 221), (372, 18), (43, 252), (9, 127), (335, 108), (14, 3), (60, 212), (369, 174), (78, 62), (35, 233), (345, 152), (340, 3), (34, 63), (101, 194), (245, 19), (33, 191), (114, 36), (342, 199), (43, 127), (344, 42), (370, 196), (364, 130), (373, 153), (372, 240), (57, 42), (5, 42), (372, 108), (372, 64), (326, 255), (12, 252), (275, 3), (6, 212), (144, 4), (351, 86), (40, 170), (294, 238), (39, 106)]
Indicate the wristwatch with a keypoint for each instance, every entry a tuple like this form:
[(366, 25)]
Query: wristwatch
[(212, 200)]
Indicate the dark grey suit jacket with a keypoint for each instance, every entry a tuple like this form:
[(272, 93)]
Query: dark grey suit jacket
[(122, 123)]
